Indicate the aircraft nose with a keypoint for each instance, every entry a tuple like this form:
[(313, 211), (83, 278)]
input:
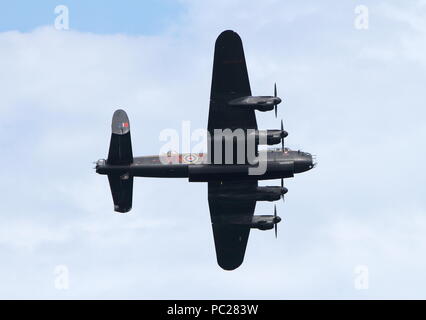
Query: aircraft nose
[(277, 219), (314, 161), (304, 163), (278, 100)]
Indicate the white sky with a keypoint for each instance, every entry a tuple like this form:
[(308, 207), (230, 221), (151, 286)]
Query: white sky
[(353, 97)]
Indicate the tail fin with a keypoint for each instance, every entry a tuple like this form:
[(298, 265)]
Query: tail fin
[(120, 148), (120, 153)]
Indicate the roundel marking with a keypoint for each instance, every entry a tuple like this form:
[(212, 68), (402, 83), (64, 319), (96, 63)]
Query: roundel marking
[(190, 158)]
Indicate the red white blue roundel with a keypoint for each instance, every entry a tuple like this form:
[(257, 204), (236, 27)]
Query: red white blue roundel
[(190, 158)]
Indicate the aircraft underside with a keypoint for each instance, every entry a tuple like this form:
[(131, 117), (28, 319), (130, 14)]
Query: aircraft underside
[(233, 188)]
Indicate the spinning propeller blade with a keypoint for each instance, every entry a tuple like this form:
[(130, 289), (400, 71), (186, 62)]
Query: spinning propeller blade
[(275, 221), (275, 95)]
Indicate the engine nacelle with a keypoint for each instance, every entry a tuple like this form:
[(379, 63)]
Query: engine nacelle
[(264, 193), (270, 193), (264, 222), (261, 103), (269, 137)]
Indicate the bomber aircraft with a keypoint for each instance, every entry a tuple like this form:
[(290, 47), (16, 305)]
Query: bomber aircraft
[(233, 164)]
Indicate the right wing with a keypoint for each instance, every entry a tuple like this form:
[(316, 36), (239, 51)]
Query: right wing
[(230, 238)]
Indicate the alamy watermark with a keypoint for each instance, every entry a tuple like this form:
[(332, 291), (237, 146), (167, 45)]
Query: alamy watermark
[(238, 146), (62, 278), (362, 277), (62, 20), (362, 17)]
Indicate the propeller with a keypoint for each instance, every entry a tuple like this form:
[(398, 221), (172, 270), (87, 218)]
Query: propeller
[(276, 221), (275, 95), (282, 146)]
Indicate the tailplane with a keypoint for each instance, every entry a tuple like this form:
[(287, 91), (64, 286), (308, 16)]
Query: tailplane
[(120, 153), (122, 191), (120, 148)]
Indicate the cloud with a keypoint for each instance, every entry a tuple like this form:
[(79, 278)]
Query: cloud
[(354, 98)]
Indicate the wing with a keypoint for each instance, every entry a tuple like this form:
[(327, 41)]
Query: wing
[(230, 81), (230, 239)]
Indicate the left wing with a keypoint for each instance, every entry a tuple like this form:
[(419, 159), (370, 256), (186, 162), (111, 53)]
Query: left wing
[(230, 238), (229, 81)]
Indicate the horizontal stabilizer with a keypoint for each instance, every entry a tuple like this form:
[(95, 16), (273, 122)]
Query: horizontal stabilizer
[(120, 149), (120, 153), (122, 191)]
